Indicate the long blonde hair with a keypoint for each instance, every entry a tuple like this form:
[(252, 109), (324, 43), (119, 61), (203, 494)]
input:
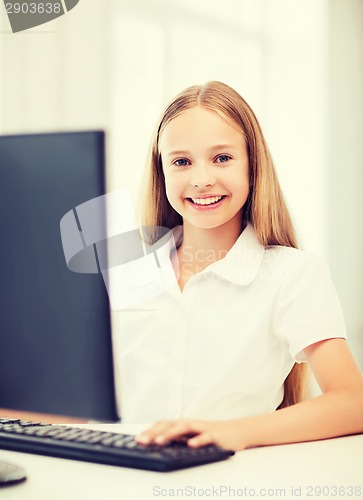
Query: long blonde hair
[(265, 207)]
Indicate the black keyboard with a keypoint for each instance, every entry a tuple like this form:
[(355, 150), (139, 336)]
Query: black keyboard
[(102, 447)]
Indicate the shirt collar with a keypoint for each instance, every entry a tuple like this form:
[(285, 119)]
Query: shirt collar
[(241, 264)]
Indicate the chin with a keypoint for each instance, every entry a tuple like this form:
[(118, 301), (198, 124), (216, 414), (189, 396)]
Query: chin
[(205, 224)]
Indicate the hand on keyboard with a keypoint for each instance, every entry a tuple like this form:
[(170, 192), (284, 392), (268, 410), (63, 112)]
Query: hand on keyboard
[(227, 434), (102, 447)]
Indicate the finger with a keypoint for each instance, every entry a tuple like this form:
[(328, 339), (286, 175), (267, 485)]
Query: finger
[(179, 429), (201, 440), (150, 434)]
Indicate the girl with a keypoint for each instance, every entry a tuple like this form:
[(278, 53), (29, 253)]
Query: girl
[(220, 353)]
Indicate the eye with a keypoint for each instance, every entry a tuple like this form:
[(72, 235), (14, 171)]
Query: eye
[(181, 162), (223, 158)]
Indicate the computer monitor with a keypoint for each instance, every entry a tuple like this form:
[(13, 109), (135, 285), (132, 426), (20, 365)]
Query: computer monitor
[(55, 333)]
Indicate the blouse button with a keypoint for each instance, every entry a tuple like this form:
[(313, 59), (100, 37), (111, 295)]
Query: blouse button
[(183, 315), (177, 364)]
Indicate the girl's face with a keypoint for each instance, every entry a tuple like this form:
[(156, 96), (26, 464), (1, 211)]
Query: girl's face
[(205, 165)]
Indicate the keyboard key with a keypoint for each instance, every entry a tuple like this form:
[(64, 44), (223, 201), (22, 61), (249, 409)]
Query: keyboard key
[(28, 423), (9, 420), (109, 440)]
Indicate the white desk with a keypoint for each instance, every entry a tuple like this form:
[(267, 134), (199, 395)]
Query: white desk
[(262, 471)]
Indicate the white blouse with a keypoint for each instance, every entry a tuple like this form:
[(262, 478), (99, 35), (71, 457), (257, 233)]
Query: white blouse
[(222, 348)]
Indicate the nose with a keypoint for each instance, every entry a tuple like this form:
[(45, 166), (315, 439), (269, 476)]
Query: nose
[(202, 176)]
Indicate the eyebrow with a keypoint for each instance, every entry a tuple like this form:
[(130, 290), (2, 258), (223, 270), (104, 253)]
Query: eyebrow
[(213, 148)]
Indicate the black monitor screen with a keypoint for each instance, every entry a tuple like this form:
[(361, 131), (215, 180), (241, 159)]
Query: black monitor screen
[(55, 338)]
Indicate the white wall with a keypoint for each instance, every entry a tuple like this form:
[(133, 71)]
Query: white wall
[(114, 64), (345, 162)]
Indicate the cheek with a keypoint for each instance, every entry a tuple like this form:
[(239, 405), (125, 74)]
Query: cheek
[(172, 192), (168, 187), (172, 188), (245, 189), (245, 186), (237, 180), (241, 187), (244, 179)]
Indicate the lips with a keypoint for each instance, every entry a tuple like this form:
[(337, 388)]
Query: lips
[(206, 202)]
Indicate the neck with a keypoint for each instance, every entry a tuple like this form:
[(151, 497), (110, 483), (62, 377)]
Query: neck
[(209, 245)]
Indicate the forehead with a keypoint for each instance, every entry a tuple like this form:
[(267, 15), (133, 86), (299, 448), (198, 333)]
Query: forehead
[(198, 126)]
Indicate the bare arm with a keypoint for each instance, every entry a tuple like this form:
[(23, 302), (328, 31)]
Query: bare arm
[(40, 417), (338, 411)]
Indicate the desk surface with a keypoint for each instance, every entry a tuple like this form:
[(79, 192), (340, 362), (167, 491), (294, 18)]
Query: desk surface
[(304, 470)]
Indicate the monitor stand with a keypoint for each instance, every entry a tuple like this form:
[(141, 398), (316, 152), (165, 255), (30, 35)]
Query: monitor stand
[(10, 474)]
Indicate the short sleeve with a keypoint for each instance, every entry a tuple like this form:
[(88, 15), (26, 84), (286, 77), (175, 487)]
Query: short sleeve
[(307, 307)]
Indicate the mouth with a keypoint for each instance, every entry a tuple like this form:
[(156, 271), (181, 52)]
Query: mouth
[(205, 203)]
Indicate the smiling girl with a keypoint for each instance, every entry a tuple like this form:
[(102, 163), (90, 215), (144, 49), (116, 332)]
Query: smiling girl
[(220, 358)]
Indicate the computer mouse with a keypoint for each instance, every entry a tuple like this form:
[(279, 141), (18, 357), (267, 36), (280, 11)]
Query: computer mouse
[(10, 474)]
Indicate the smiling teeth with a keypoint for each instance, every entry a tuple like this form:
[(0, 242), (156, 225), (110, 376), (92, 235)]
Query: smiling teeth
[(206, 201)]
